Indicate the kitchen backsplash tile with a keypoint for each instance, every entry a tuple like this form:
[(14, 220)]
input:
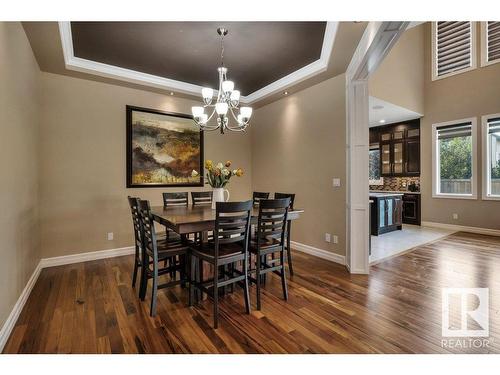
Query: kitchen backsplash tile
[(396, 183)]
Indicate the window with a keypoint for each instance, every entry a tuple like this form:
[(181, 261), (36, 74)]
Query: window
[(374, 168), (490, 42), (491, 156), (453, 48), (453, 159)]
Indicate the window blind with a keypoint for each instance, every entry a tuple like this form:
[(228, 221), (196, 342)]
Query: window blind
[(494, 125), (453, 46), (493, 40), (455, 130)]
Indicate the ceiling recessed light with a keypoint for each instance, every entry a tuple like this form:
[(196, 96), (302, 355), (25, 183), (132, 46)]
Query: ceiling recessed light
[(382, 121), (378, 106), (285, 93), (171, 93)]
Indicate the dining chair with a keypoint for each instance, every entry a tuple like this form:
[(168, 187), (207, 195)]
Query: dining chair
[(201, 198), (175, 199), (134, 208), (228, 247), (270, 239), (159, 250), (288, 229), (258, 196)]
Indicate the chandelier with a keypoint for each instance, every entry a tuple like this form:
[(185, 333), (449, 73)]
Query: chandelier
[(228, 100)]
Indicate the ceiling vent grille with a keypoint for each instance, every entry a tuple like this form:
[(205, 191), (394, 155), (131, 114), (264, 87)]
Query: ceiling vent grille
[(454, 47), (493, 40)]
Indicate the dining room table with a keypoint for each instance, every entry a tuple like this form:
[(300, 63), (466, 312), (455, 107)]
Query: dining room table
[(185, 220)]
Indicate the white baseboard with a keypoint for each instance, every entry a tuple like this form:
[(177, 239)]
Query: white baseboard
[(85, 257), (320, 253), (52, 262), (462, 228), (18, 307)]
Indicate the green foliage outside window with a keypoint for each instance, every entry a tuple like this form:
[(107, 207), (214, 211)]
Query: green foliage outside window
[(456, 158)]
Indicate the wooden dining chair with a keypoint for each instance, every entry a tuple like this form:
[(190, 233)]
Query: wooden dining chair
[(288, 229), (228, 247), (134, 208), (270, 239), (258, 196), (158, 250), (175, 199), (201, 198)]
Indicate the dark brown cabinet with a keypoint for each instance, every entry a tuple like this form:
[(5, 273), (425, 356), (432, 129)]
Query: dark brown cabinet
[(411, 208), (386, 213), (399, 148)]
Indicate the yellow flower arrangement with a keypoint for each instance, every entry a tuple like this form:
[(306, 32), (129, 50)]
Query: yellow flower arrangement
[(218, 176)]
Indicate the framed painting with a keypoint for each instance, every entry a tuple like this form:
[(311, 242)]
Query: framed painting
[(163, 149)]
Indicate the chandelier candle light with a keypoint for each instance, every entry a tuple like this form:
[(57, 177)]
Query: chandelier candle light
[(228, 100)]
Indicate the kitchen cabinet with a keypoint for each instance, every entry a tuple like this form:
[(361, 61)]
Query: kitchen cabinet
[(399, 148), (411, 208), (386, 212)]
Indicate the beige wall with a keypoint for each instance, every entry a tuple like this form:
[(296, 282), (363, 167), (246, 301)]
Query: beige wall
[(298, 146), (400, 77), (82, 169), (470, 94), (19, 109)]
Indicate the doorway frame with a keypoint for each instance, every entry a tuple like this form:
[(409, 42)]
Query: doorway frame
[(376, 42)]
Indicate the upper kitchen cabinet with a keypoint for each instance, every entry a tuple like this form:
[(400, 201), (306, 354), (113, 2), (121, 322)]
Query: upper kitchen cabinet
[(399, 148)]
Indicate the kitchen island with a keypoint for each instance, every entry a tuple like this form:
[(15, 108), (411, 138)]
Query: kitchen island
[(386, 212)]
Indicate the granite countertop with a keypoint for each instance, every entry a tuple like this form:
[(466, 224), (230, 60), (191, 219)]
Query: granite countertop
[(394, 191), (385, 194)]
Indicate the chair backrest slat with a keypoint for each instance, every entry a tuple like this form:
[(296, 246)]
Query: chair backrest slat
[(175, 199), (273, 214), (148, 226), (258, 196), (201, 198), (286, 195), (232, 224), (136, 221)]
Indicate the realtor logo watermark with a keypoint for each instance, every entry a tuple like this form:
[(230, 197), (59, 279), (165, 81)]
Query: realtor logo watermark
[(465, 317)]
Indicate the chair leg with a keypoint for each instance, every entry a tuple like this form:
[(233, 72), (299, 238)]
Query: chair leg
[(144, 278), (154, 293), (182, 271), (136, 267), (216, 297), (289, 250), (258, 280), (246, 286), (191, 280), (283, 275)]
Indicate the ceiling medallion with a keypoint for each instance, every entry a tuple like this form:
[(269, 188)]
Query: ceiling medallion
[(228, 100)]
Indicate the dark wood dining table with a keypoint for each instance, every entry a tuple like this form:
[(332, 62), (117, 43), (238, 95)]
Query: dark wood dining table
[(192, 219)]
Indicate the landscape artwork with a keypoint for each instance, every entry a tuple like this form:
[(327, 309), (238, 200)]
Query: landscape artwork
[(163, 149)]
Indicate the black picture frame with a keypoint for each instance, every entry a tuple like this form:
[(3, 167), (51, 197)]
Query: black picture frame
[(129, 184)]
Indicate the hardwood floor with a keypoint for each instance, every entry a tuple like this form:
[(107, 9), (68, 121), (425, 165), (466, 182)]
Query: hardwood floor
[(91, 308)]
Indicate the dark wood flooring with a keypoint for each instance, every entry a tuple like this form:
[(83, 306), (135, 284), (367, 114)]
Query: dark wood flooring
[(91, 308)]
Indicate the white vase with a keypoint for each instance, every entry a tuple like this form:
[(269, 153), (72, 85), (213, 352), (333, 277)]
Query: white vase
[(218, 196)]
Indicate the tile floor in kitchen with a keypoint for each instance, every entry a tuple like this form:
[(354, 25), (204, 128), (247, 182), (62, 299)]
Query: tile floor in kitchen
[(393, 243)]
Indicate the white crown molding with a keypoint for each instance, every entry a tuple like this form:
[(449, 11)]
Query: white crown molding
[(18, 308), (110, 71), (462, 228), (320, 253)]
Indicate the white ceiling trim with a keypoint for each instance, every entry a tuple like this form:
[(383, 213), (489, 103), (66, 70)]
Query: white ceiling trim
[(110, 71)]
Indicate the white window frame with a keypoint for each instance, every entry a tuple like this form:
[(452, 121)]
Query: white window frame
[(436, 168), (484, 47), (486, 157), (473, 66)]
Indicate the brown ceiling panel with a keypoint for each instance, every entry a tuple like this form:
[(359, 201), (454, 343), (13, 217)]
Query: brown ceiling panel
[(256, 53)]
